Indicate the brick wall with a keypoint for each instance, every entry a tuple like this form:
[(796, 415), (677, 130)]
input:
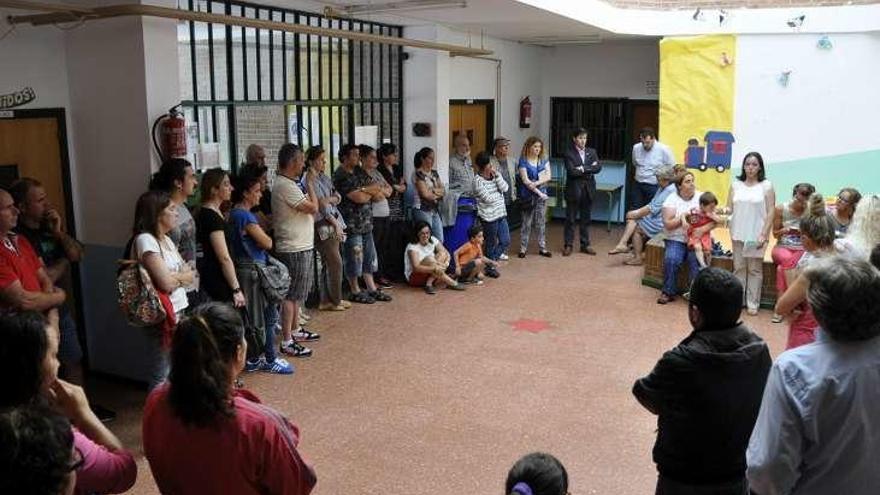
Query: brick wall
[(264, 125), (730, 4)]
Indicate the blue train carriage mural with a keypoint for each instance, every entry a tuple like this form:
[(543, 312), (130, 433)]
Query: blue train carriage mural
[(717, 152)]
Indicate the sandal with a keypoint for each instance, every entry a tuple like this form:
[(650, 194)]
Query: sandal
[(380, 296), (618, 250), (362, 298), (429, 289), (458, 286), (777, 318), (634, 262)]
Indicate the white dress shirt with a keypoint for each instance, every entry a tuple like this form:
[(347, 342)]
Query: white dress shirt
[(818, 431)]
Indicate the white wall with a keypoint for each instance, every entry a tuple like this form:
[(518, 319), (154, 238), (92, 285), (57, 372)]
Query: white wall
[(520, 77), (829, 106), (35, 57), (605, 70)]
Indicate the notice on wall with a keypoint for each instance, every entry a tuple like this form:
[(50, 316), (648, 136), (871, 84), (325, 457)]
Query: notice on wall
[(367, 134), (652, 88), (17, 98)]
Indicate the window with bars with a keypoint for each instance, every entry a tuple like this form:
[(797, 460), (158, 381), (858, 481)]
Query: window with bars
[(245, 85), (604, 119)]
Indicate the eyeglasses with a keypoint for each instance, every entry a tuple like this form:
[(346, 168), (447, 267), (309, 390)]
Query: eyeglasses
[(843, 199)]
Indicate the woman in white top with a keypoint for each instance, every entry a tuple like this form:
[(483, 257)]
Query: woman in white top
[(675, 208), (426, 261), (751, 203), (155, 215)]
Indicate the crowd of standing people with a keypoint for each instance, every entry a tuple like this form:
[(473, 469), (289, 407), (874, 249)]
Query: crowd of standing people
[(232, 276)]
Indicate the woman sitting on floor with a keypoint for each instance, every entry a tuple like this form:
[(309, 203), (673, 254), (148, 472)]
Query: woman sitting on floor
[(817, 235), (426, 261), (29, 363), (644, 223), (202, 435)]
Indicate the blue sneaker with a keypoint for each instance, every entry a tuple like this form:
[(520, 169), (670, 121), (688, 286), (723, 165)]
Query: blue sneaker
[(278, 367), (254, 365)]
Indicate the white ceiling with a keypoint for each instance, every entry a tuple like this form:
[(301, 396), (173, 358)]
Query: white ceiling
[(504, 19)]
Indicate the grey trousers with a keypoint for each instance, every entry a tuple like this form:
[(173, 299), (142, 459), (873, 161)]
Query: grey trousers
[(536, 217), (750, 272)]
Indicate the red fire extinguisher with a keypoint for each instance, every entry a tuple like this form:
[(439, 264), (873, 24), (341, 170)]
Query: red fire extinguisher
[(525, 113), (172, 134)]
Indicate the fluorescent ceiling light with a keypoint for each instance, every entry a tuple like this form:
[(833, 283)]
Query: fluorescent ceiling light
[(391, 7), (589, 39)]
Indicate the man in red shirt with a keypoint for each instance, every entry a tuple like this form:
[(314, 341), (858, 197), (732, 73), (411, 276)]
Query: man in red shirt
[(24, 283)]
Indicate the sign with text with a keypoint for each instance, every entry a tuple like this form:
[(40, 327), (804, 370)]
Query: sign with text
[(18, 98)]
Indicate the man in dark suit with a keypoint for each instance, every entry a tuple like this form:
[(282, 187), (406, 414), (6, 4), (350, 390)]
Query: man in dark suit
[(581, 163)]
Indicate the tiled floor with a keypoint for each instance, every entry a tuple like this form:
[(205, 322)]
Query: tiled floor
[(441, 394)]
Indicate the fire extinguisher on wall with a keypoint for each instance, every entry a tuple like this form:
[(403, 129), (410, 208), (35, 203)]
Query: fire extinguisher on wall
[(525, 113), (172, 134)]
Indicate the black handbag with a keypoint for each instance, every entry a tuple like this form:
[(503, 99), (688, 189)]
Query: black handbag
[(253, 335)]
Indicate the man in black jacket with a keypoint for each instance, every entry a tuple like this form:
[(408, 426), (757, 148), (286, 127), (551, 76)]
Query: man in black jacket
[(580, 188), (706, 393)]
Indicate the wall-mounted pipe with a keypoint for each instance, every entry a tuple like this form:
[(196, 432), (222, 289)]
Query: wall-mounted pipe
[(65, 13)]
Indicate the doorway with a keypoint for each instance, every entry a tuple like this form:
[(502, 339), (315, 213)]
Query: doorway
[(475, 119), (33, 143)]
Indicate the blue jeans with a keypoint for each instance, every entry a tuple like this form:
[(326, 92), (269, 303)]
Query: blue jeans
[(433, 219), (643, 193), (359, 255), (676, 254), (271, 316), (497, 237)]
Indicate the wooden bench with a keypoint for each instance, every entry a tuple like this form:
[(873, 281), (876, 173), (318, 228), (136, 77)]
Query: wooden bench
[(653, 267)]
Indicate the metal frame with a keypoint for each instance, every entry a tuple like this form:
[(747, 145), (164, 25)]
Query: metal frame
[(340, 109)]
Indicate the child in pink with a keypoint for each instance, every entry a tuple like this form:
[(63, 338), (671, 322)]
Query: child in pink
[(702, 244)]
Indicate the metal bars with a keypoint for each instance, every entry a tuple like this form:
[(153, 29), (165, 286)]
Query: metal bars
[(327, 85)]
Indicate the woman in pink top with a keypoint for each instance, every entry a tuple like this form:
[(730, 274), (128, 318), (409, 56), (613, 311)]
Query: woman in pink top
[(28, 359), (817, 234), (201, 435)]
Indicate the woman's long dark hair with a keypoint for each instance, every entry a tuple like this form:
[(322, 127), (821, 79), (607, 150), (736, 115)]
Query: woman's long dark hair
[(761, 173), (170, 171), (421, 155), (414, 234), (23, 347), (147, 211), (211, 179), (243, 182), (204, 345)]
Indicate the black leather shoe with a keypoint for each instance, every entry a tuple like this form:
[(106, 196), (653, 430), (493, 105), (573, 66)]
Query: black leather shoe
[(545, 253), (588, 250)]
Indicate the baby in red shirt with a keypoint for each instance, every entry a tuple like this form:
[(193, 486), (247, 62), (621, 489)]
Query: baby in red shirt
[(698, 217)]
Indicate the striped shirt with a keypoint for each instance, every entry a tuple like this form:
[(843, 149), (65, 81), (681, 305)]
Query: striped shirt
[(490, 197)]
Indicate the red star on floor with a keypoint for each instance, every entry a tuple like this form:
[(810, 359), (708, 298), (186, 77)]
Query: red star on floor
[(531, 326)]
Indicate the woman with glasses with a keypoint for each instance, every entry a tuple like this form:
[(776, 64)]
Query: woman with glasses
[(202, 435), (28, 360), (786, 228), (426, 261), (844, 208)]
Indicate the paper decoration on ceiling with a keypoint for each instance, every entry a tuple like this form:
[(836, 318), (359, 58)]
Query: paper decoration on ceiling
[(824, 43), (722, 16), (784, 77), (698, 15), (796, 22)]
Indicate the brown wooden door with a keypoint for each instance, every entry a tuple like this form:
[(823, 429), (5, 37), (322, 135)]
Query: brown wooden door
[(645, 114), (472, 120), (29, 147)]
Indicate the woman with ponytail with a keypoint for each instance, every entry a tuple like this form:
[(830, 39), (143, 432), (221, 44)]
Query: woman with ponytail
[(817, 235), (537, 474), (201, 435)]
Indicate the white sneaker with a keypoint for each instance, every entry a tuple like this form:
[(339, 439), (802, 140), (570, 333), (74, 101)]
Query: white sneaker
[(503, 257)]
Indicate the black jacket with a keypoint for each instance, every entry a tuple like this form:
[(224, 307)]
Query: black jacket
[(706, 393), (574, 178)]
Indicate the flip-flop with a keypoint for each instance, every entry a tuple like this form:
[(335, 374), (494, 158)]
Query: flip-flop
[(618, 250)]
